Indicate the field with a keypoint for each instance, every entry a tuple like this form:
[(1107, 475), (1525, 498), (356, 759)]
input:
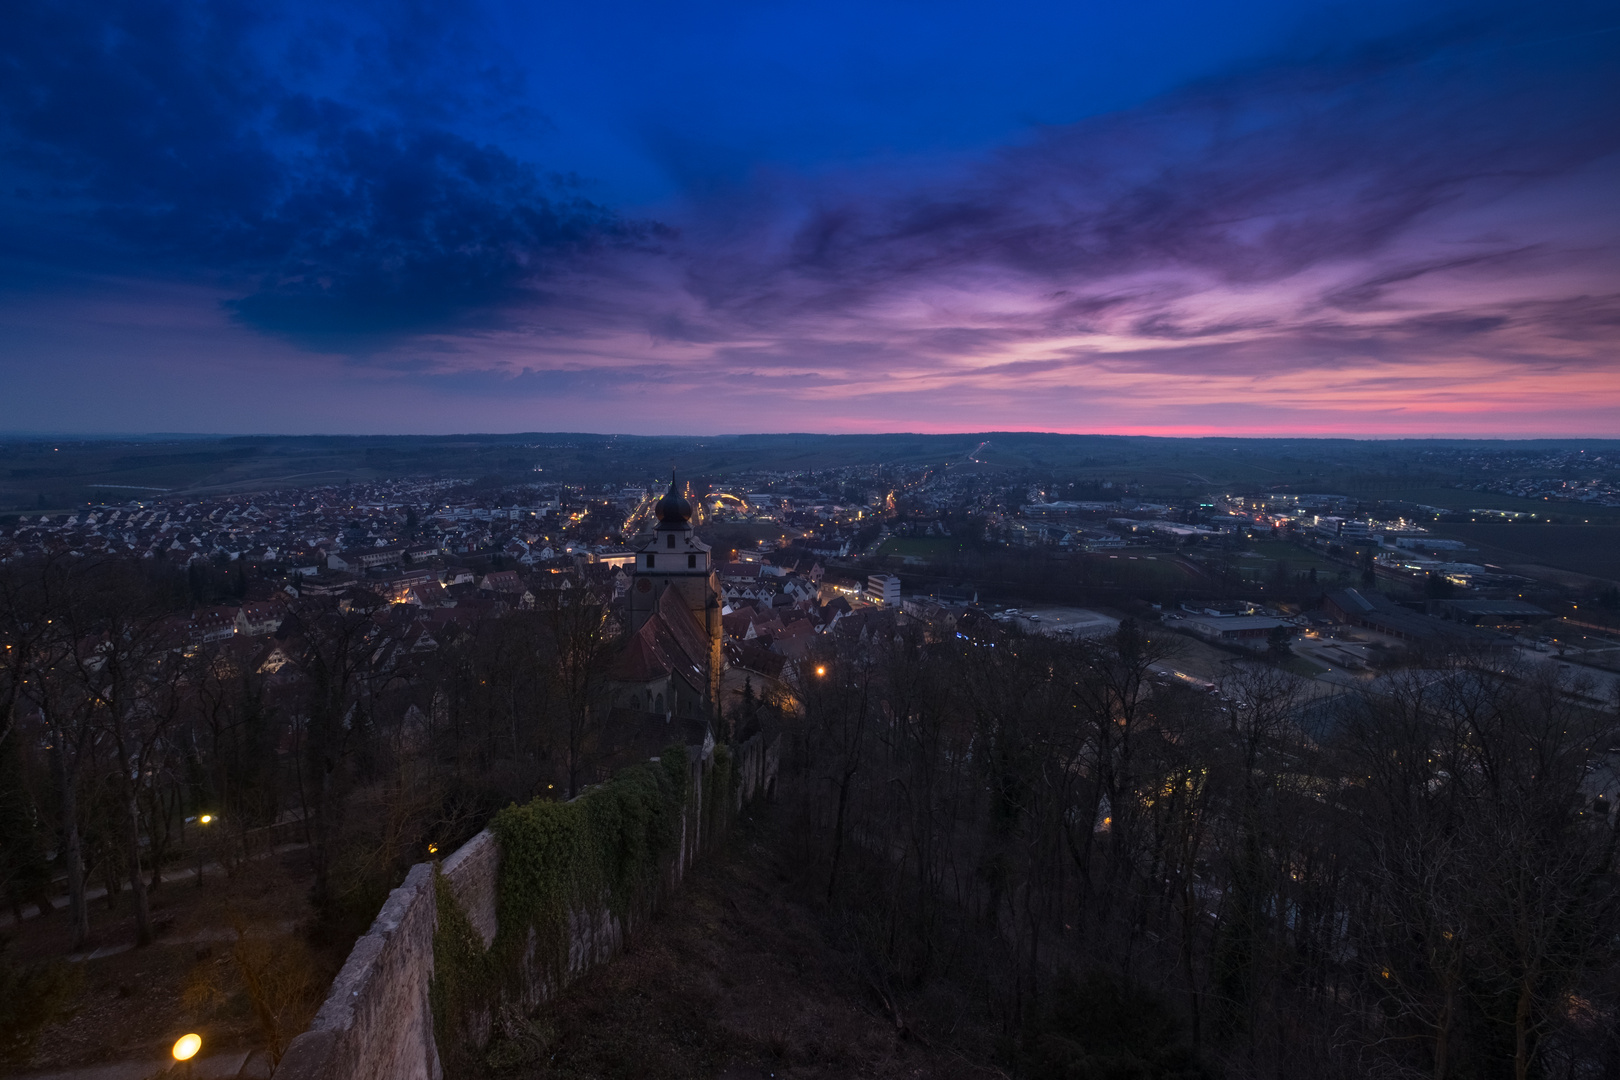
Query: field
[(1593, 550), (927, 548), (1299, 559)]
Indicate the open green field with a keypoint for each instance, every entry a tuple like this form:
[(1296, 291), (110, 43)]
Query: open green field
[(1299, 559), (1582, 549), (1305, 669), (931, 548), (1146, 569)]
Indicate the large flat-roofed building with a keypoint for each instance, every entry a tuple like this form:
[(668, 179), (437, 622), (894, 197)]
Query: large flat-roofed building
[(1372, 611), (1238, 629), (884, 588), (1491, 612)]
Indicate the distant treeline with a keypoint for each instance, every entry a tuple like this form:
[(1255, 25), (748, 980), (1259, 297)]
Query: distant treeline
[(67, 471)]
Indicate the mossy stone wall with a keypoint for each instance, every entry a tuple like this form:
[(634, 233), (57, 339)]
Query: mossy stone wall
[(518, 911)]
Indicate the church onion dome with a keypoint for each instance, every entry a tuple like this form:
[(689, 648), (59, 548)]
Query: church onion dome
[(673, 509)]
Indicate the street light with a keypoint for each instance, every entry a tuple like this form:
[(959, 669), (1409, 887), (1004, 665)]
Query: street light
[(205, 819), (185, 1048)]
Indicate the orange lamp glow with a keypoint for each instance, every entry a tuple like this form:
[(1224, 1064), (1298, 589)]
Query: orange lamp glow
[(186, 1047)]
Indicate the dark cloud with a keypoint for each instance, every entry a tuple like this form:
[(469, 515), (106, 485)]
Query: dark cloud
[(172, 135)]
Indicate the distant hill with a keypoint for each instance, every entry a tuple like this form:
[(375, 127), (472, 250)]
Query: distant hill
[(37, 474)]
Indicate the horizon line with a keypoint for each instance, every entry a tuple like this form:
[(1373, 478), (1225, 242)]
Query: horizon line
[(114, 436)]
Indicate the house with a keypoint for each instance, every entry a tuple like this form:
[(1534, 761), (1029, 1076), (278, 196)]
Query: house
[(259, 619), (739, 625), (504, 582), (211, 624), (795, 638)]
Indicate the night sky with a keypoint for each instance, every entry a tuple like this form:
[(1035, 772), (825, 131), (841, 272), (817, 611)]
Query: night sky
[(1163, 217)]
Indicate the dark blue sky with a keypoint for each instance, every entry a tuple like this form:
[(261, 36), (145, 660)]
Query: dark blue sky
[(1245, 217)]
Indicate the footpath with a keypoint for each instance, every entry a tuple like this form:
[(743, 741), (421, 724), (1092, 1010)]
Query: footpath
[(241, 1065), (176, 875)]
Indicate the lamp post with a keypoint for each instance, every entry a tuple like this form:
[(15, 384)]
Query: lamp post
[(203, 821)]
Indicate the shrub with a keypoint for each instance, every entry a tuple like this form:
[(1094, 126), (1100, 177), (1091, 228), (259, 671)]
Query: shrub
[(1107, 1029), (31, 997), (607, 849)]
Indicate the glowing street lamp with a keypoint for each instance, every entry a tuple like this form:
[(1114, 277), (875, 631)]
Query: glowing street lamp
[(186, 1047), (820, 670)]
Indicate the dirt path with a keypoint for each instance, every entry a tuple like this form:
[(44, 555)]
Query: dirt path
[(131, 1003), (171, 876)]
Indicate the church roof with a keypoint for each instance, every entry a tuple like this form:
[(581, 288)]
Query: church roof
[(694, 640), (670, 642), (673, 509)]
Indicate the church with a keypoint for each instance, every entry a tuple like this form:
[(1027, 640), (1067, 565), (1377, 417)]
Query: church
[(672, 659)]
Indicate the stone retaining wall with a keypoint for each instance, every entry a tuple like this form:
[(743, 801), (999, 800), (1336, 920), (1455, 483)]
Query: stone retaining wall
[(376, 1023)]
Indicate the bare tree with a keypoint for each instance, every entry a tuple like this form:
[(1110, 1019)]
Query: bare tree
[(574, 660), (39, 678)]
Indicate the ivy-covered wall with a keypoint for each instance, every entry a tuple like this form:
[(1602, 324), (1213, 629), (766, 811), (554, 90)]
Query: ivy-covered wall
[(549, 889)]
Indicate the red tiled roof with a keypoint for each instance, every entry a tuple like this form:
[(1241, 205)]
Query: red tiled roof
[(670, 642), (693, 639)]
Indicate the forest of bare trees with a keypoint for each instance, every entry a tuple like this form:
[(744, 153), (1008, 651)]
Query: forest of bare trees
[(1412, 880), (1120, 874), (343, 732)]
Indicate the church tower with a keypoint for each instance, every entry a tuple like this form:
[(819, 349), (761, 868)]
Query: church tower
[(674, 558)]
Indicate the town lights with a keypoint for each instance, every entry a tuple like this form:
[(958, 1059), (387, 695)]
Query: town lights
[(186, 1047), (820, 670)]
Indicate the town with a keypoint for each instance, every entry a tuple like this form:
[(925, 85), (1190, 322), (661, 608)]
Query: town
[(1346, 580), (326, 690)]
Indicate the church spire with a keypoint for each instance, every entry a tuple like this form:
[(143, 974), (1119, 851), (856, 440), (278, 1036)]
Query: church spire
[(673, 508)]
